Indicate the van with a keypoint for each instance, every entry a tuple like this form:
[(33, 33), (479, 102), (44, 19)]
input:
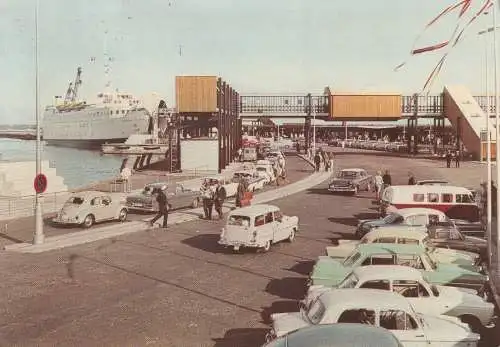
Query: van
[(249, 154), (457, 203)]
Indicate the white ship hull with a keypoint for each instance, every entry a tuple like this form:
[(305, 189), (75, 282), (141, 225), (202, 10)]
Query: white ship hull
[(92, 126)]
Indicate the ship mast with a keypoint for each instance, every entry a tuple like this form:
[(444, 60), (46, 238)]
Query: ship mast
[(107, 62)]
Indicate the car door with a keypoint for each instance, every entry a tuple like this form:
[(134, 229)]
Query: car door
[(108, 208), (416, 294), (404, 326), (282, 229), (96, 208)]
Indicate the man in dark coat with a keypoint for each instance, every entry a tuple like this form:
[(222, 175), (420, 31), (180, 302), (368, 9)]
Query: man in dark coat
[(387, 179), (219, 197), (163, 207), (240, 192), (207, 196), (448, 159), (317, 160), (411, 179)]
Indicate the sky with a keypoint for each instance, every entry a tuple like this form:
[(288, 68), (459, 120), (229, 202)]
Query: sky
[(258, 46)]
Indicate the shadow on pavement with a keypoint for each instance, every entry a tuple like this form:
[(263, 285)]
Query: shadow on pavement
[(245, 337), (207, 243), (302, 267), (279, 307), (350, 221), (292, 288)]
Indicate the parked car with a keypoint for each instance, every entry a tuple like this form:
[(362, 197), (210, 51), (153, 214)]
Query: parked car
[(90, 207), (258, 226), (407, 216), (330, 272), (336, 335), (380, 308), (352, 181), (178, 196), (249, 154), (264, 169), (425, 297), (230, 188), (255, 181), (435, 182), (404, 234), (449, 237)]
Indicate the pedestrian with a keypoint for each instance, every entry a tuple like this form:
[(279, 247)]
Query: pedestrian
[(219, 197), (330, 165), (457, 159), (448, 158), (207, 196), (240, 192), (387, 179), (297, 147), (317, 161), (379, 184), (411, 179), (163, 207), (326, 160), (240, 154)]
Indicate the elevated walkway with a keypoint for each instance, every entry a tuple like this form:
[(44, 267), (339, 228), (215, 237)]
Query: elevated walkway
[(468, 119)]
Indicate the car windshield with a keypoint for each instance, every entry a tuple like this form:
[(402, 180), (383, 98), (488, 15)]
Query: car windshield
[(148, 190), (429, 260), (242, 221), (349, 282), (261, 169), (75, 200), (353, 258), (392, 218), (316, 312), (348, 174)]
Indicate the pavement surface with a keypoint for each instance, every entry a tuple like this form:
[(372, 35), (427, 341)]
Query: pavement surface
[(179, 287)]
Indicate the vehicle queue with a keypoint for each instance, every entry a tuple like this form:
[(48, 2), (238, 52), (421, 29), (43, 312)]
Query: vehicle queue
[(414, 278)]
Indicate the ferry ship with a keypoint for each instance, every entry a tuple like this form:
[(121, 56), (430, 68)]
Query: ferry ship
[(112, 118)]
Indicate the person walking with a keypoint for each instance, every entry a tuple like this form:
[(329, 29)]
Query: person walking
[(163, 207), (448, 159), (240, 154), (379, 184), (240, 193), (207, 196), (411, 179), (331, 157), (219, 197), (457, 159), (387, 179), (317, 161)]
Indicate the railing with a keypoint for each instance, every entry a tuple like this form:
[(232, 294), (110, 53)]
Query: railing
[(426, 105), (483, 103), (282, 104)]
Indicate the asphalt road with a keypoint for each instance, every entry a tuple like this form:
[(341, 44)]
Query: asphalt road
[(21, 229), (177, 287)]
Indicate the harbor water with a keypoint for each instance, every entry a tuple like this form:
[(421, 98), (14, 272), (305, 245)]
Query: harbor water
[(76, 166)]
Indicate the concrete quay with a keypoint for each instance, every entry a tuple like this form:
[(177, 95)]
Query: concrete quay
[(179, 287), (298, 179)]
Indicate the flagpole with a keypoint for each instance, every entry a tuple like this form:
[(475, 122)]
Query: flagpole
[(497, 115), (488, 155)]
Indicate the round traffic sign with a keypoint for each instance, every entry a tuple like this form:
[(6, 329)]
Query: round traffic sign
[(40, 183)]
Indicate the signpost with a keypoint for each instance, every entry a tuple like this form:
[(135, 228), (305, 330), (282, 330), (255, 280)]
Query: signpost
[(40, 183)]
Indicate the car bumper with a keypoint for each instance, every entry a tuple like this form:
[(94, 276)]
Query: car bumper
[(140, 208), (341, 189), (60, 221), (238, 244)]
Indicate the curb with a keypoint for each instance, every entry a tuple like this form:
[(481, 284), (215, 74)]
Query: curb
[(83, 237)]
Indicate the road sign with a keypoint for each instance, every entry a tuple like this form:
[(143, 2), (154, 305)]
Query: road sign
[(40, 183)]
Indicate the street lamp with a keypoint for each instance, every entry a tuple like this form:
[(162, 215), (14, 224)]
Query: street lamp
[(497, 116), (39, 237), (314, 126)]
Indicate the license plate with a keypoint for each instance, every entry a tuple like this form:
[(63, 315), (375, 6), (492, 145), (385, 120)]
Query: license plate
[(137, 204)]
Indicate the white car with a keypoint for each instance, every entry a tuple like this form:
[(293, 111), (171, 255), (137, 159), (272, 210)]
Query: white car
[(90, 207), (230, 187), (381, 308), (264, 169), (258, 226), (404, 234), (426, 298), (255, 181)]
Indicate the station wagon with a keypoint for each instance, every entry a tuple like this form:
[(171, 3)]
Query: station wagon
[(330, 272), (258, 226)]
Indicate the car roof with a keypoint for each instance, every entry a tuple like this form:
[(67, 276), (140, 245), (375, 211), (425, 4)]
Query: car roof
[(353, 169), (89, 194), (432, 181), (340, 334), (157, 184), (435, 189), (357, 298), (389, 272), (390, 248), (408, 232), (417, 210), (254, 210)]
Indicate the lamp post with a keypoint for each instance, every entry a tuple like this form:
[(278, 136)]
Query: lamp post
[(488, 144), (38, 237), (314, 126), (497, 116)]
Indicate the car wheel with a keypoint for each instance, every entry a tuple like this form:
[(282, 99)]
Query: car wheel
[(195, 203), (122, 216), (267, 246), (292, 236), (473, 322), (88, 221)]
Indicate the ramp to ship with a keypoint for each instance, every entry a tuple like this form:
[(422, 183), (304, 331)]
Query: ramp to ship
[(468, 119)]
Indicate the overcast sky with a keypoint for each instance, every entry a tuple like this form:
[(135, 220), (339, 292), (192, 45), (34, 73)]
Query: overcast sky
[(258, 46)]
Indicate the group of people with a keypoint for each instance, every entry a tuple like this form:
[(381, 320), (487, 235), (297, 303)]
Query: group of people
[(452, 157), (322, 158), (385, 180), (213, 196)]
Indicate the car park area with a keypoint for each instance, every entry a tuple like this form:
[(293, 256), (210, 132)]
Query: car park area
[(180, 287)]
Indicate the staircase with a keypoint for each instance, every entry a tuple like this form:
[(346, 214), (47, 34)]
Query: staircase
[(174, 155)]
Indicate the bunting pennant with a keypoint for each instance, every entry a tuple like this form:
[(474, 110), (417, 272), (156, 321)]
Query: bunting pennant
[(434, 73), (465, 4), (487, 4)]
